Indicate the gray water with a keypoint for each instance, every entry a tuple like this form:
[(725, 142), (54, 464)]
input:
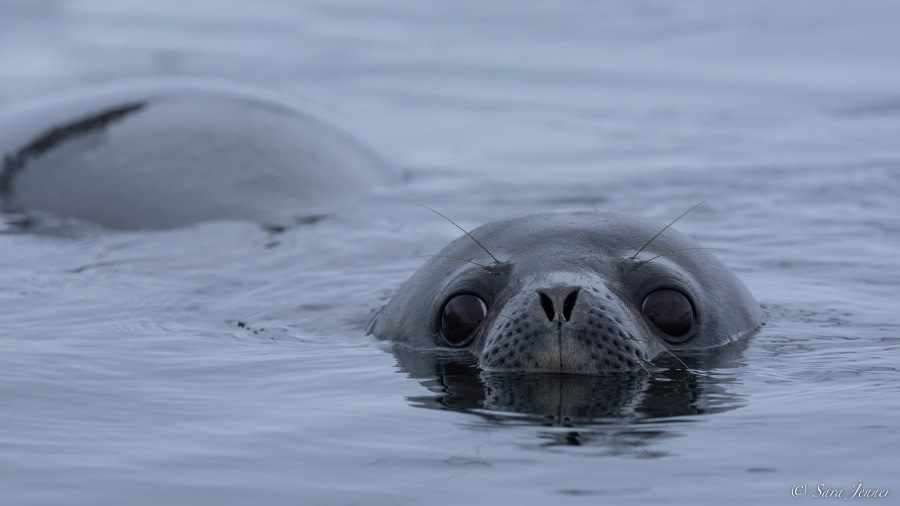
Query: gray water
[(223, 364)]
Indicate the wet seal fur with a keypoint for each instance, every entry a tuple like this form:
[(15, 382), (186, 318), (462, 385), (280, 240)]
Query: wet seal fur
[(539, 262), (167, 153)]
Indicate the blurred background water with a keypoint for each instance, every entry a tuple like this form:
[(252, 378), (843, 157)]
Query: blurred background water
[(221, 363)]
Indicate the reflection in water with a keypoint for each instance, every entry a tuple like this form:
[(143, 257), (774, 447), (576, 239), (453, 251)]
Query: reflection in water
[(607, 411)]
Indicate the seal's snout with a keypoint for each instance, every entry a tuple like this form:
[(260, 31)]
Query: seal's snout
[(558, 301), (564, 327)]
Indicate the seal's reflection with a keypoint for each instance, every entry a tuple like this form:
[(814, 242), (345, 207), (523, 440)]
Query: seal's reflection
[(613, 410)]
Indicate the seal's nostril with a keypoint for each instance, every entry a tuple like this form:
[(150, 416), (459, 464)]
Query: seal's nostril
[(569, 304), (547, 304)]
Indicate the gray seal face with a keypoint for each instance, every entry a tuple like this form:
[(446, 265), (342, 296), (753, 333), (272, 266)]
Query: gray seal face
[(565, 295)]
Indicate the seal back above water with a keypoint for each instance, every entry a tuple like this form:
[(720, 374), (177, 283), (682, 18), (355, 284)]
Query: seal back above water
[(564, 292), (162, 154)]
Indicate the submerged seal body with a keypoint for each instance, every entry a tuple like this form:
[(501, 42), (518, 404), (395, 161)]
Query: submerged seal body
[(159, 154), (566, 292)]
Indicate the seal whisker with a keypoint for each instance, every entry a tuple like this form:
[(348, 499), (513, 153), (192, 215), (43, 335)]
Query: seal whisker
[(464, 231), (672, 253), (486, 267), (669, 352), (641, 361), (635, 356), (667, 227)]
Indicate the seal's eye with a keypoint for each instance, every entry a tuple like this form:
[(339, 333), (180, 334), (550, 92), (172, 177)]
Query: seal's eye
[(461, 316), (671, 312)]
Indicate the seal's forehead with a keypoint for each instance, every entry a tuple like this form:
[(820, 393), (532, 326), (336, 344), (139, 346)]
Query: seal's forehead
[(574, 233)]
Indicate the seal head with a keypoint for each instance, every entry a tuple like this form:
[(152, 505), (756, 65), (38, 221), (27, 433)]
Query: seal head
[(566, 293)]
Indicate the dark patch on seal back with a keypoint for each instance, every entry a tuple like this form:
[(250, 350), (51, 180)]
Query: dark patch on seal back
[(14, 163)]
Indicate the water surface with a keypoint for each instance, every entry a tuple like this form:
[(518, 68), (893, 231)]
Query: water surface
[(225, 364)]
